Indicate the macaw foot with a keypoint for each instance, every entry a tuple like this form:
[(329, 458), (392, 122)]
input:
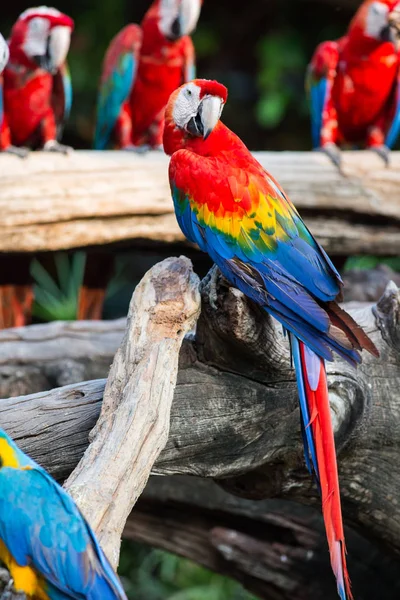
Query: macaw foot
[(210, 282), (384, 152), (54, 146), (21, 152), (7, 593), (333, 152), (143, 149)]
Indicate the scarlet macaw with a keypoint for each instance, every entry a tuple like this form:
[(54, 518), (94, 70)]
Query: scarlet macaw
[(37, 89), (236, 212), (142, 67), (354, 83), (45, 542)]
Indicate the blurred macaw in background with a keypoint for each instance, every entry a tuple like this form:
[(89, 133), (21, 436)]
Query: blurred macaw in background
[(228, 204), (142, 67), (37, 91), (354, 83), (45, 542)]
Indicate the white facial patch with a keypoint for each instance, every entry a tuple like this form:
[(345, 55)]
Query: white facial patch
[(186, 105), (4, 53), (36, 37), (377, 19), (60, 39), (187, 11), (40, 10)]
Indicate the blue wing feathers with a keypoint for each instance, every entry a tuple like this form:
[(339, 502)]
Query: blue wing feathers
[(318, 94), (112, 96), (290, 282), (394, 130), (309, 447), (42, 527), (118, 78), (67, 84)]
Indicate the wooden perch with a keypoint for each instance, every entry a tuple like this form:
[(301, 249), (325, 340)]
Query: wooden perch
[(235, 413), (134, 421), (275, 548), (51, 202)]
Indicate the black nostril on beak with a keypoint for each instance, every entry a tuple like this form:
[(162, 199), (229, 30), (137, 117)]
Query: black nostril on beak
[(176, 30)]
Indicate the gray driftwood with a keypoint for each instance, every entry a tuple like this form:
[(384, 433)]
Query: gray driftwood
[(134, 421), (91, 198), (234, 419), (275, 548), (235, 414)]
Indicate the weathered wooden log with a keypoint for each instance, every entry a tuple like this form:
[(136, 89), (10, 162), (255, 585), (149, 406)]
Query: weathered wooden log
[(134, 421), (235, 414), (92, 198), (276, 549)]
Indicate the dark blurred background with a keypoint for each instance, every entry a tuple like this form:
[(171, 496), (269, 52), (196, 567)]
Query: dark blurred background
[(258, 48)]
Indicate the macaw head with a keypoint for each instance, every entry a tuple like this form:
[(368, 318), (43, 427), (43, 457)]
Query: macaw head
[(4, 53), (42, 35), (177, 18), (378, 20), (195, 108)]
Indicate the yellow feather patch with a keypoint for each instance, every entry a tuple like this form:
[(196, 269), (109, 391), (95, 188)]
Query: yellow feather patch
[(8, 455), (25, 579)]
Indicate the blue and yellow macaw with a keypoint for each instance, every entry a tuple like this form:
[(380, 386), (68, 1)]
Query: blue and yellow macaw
[(45, 542)]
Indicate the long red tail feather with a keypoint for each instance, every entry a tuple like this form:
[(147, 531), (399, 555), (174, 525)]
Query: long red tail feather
[(316, 392)]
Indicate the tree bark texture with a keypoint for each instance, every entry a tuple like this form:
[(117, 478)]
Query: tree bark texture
[(235, 414), (275, 548), (90, 198)]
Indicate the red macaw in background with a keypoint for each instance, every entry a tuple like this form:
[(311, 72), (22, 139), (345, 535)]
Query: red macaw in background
[(142, 67), (354, 83), (235, 211), (37, 91)]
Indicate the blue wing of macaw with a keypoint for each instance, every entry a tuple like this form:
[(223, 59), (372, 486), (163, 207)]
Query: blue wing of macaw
[(67, 86), (61, 97), (119, 72), (394, 129), (317, 95), (271, 257), (319, 81), (42, 527)]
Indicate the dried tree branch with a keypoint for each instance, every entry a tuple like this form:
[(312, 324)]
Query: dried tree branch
[(134, 421)]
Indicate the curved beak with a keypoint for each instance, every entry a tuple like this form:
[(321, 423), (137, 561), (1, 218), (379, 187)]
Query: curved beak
[(58, 46), (207, 117), (186, 20), (4, 53)]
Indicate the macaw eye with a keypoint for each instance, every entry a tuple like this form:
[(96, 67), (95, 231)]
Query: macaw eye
[(189, 92)]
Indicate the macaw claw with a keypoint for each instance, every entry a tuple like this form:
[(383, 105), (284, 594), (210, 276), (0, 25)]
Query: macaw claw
[(21, 152), (143, 149), (333, 152), (384, 152), (54, 146), (210, 282), (7, 593)]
